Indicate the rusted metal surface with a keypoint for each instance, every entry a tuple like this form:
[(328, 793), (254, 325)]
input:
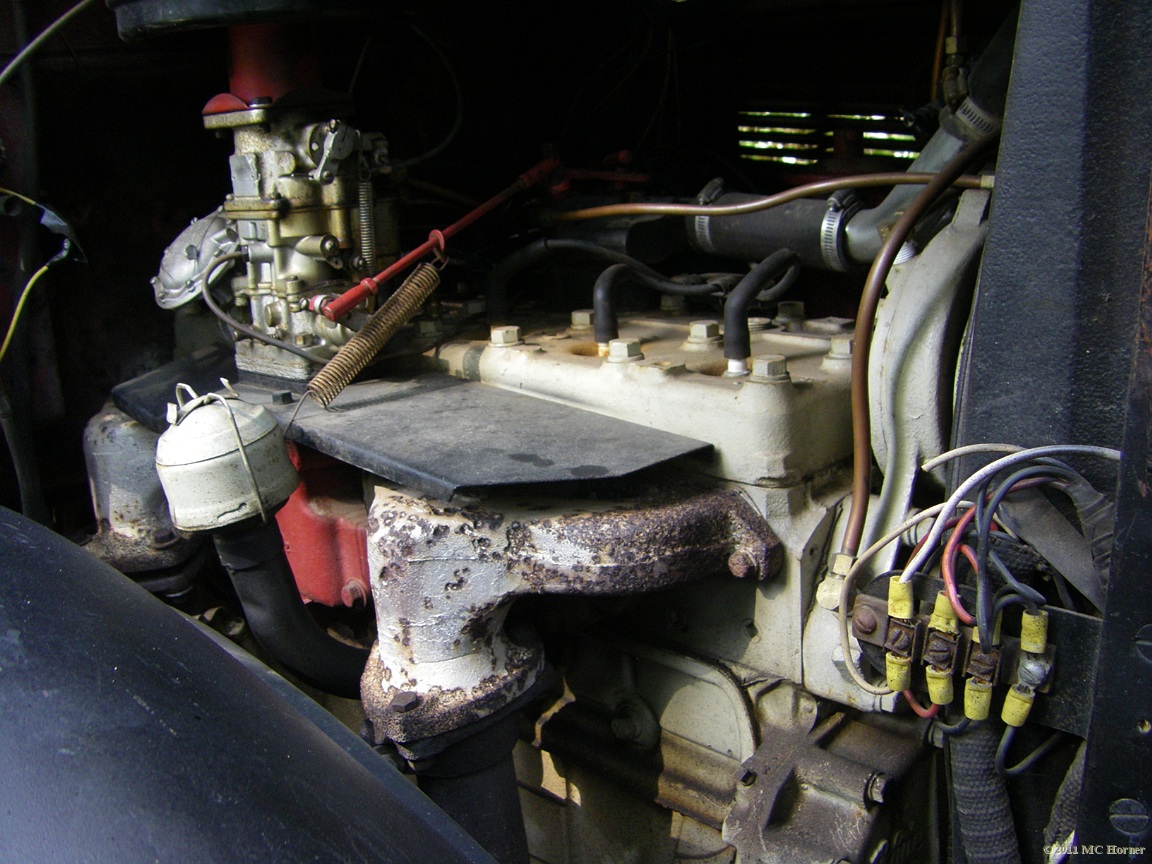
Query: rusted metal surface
[(813, 796), (408, 717), (443, 578)]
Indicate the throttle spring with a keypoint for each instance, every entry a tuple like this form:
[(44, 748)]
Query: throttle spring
[(381, 327), (367, 225)]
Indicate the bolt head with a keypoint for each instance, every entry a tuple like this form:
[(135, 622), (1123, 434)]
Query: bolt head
[(404, 702), (507, 334), (742, 565), (353, 594), (790, 310), (841, 347), (581, 319), (864, 620), (703, 331), (877, 784), (624, 350), (770, 367)]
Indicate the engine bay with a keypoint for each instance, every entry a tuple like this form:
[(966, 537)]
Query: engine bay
[(655, 442)]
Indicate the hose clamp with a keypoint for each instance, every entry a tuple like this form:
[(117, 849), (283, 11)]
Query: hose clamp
[(975, 119), (840, 209)]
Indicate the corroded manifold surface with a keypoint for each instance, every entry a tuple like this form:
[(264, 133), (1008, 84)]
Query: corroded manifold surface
[(444, 577)]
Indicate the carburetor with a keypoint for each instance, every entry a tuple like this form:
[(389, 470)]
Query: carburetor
[(302, 214)]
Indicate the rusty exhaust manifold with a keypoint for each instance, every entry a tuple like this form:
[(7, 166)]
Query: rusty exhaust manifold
[(444, 578)]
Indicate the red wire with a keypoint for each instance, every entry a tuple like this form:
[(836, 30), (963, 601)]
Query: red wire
[(948, 567), (925, 713)]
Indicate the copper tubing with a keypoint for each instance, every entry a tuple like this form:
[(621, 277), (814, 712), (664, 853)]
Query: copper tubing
[(865, 320), (382, 326), (809, 190)]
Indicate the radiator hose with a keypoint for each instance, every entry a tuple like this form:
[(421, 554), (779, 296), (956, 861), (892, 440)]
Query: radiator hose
[(253, 554)]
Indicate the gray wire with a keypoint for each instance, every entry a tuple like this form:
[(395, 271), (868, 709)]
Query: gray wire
[(967, 450), (250, 332), (988, 471), (31, 48)]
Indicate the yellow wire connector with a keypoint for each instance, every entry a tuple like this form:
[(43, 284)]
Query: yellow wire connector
[(901, 603), (943, 616), (1034, 632), (977, 699), (898, 671), (1017, 704), (940, 690)]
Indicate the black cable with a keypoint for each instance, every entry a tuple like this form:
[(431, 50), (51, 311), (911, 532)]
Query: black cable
[(1005, 598), (459, 94), (773, 269), (1062, 590), (1028, 761), (533, 253), (986, 506), (231, 322), (781, 287), (605, 323), (1030, 595), (953, 728)]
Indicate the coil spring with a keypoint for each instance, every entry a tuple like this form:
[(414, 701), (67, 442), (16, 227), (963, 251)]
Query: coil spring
[(381, 327), (367, 203)]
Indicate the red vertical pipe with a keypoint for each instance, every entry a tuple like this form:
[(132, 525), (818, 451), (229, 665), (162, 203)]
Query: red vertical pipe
[(262, 64)]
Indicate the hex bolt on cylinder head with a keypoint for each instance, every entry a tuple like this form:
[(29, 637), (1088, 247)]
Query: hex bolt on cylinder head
[(770, 368), (624, 351), (581, 319), (505, 335), (704, 332)]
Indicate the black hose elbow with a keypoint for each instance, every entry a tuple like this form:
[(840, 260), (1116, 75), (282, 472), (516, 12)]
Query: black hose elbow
[(781, 266), (605, 325), (253, 554)]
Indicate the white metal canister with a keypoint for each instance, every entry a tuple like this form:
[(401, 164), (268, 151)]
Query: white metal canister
[(221, 461)]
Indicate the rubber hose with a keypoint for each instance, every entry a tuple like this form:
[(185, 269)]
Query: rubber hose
[(605, 325), (253, 554), (737, 339), (381, 327), (474, 782), (533, 254), (980, 796)]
